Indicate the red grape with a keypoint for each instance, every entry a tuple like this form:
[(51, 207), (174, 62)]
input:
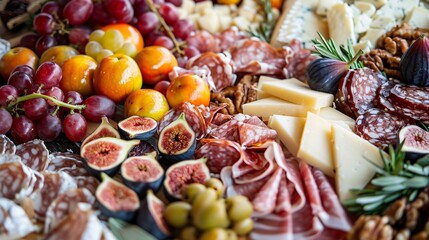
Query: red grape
[(164, 41), (150, 38), (73, 97), (49, 127), (56, 93), (7, 93), (77, 12), (79, 35), (51, 7), (191, 51), (75, 126), (43, 43), (140, 7), (169, 12), (21, 81), (62, 39), (176, 3), (23, 129), (35, 108), (147, 23), (24, 68), (121, 10), (181, 61), (44, 23), (98, 106), (29, 40), (162, 86), (183, 28), (36, 89), (49, 74), (5, 121), (100, 15)]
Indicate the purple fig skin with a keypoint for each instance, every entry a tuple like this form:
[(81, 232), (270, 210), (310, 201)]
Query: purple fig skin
[(324, 74), (414, 64)]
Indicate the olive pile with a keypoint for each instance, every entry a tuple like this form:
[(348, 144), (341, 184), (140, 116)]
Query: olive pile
[(203, 213)]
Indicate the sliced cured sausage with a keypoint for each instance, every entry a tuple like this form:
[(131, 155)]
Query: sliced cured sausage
[(34, 154), (219, 153), (228, 131), (17, 180), (341, 97), (67, 162), (14, 222), (229, 37), (414, 97), (6, 145), (297, 60), (89, 182), (203, 41), (253, 135)]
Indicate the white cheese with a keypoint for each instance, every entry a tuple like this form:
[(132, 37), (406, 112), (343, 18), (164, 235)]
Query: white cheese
[(202, 7), (364, 45), (225, 22), (289, 130), (362, 23), (222, 10), (340, 23), (315, 146), (376, 3), (325, 5), (246, 12), (372, 35), (269, 106), (351, 154), (188, 6), (418, 17), (383, 22), (295, 91), (365, 8), (209, 22), (264, 79)]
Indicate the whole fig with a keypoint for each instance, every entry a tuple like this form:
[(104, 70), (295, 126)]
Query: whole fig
[(414, 64)]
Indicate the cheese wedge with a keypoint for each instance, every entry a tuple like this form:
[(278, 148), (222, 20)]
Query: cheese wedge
[(340, 23), (289, 130), (333, 114), (263, 79), (315, 146), (351, 154), (295, 91), (269, 106)]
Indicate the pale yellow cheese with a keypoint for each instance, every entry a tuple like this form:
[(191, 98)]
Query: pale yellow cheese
[(418, 17), (344, 124), (315, 146), (202, 7), (289, 130), (351, 154), (297, 92), (269, 106), (333, 114), (261, 94), (340, 23), (263, 79), (372, 35)]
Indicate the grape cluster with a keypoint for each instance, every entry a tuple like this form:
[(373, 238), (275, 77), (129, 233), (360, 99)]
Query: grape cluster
[(102, 44), (33, 106)]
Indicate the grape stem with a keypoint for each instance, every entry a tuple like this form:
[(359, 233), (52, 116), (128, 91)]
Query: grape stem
[(164, 25), (54, 100)]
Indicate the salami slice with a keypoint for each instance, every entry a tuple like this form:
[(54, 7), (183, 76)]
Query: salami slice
[(229, 37), (283, 203), (4, 158), (220, 66), (219, 153), (232, 188), (414, 97), (341, 97), (67, 162), (89, 182), (313, 195), (228, 131), (55, 184), (16, 180), (6, 145), (254, 135), (311, 228), (14, 222), (203, 41), (220, 119), (265, 200), (34, 154), (382, 100), (65, 204), (297, 60), (380, 128)]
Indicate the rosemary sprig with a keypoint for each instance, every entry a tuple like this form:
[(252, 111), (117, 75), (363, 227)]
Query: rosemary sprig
[(396, 179), (265, 29), (328, 49)]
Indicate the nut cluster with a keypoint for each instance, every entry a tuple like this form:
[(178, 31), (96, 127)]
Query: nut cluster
[(389, 49), (401, 220)]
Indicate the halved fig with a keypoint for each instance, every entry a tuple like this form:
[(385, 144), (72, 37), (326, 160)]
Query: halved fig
[(105, 129), (136, 127), (116, 200), (106, 154), (177, 140), (141, 173), (183, 173), (416, 141), (150, 216)]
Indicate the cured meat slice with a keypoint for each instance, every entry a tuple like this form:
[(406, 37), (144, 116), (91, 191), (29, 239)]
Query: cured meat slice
[(273, 227), (6, 145), (382, 100), (220, 119), (336, 217), (89, 182), (202, 72), (232, 188), (4, 158), (219, 65), (14, 222), (219, 153), (283, 197), (414, 97), (255, 158), (67, 162), (229, 37), (79, 224), (311, 228), (65, 204), (55, 184), (313, 195), (257, 57), (297, 60), (265, 200), (253, 135), (380, 128), (228, 131), (203, 41), (341, 97), (34, 154), (17, 180)]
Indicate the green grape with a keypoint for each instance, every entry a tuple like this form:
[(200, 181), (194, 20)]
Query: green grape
[(102, 54), (96, 35), (243, 227), (238, 208), (214, 234), (112, 40), (92, 48), (177, 214), (128, 49)]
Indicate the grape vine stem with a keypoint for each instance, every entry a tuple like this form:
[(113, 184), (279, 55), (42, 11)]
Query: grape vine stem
[(54, 100)]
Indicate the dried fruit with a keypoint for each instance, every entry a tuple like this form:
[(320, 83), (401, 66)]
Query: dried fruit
[(136, 127), (177, 141), (105, 129), (414, 64), (179, 175), (415, 139), (141, 173), (106, 154), (116, 200)]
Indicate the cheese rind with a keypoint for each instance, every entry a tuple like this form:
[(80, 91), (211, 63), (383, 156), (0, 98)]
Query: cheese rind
[(289, 130), (269, 106), (295, 91), (315, 146), (351, 155)]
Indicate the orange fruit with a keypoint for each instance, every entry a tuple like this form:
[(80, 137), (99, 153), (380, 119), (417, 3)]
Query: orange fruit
[(146, 103), (276, 4), (130, 34), (188, 88), (78, 72), (155, 62), (58, 54), (117, 76), (15, 57)]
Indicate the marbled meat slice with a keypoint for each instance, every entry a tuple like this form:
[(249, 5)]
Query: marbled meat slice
[(14, 222), (229, 37), (203, 41), (34, 154), (254, 135), (17, 180), (89, 182), (273, 227), (219, 153), (6, 145), (265, 200), (414, 97)]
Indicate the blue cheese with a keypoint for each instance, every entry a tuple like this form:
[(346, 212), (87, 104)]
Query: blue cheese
[(372, 35), (383, 22), (418, 17)]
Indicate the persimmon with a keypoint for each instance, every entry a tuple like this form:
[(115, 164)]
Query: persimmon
[(78, 72), (146, 103), (188, 88)]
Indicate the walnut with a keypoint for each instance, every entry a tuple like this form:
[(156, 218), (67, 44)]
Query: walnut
[(396, 210), (371, 228)]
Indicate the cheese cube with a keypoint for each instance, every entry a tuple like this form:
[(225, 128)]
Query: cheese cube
[(188, 6), (418, 17), (193, 18), (264, 79), (325, 5), (182, 13), (222, 10), (209, 22), (225, 22), (261, 94), (202, 7), (351, 155), (297, 92), (362, 23), (241, 22), (365, 8), (315, 146), (269, 106), (365, 46), (349, 126), (247, 12), (383, 22), (289, 130), (340, 23), (372, 35)]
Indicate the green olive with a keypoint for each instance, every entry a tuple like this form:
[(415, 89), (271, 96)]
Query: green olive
[(214, 234), (238, 207), (177, 214), (202, 200), (211, 216), (217, 185), (189, 233), (243, 227), (191, 191), (231, 235)]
